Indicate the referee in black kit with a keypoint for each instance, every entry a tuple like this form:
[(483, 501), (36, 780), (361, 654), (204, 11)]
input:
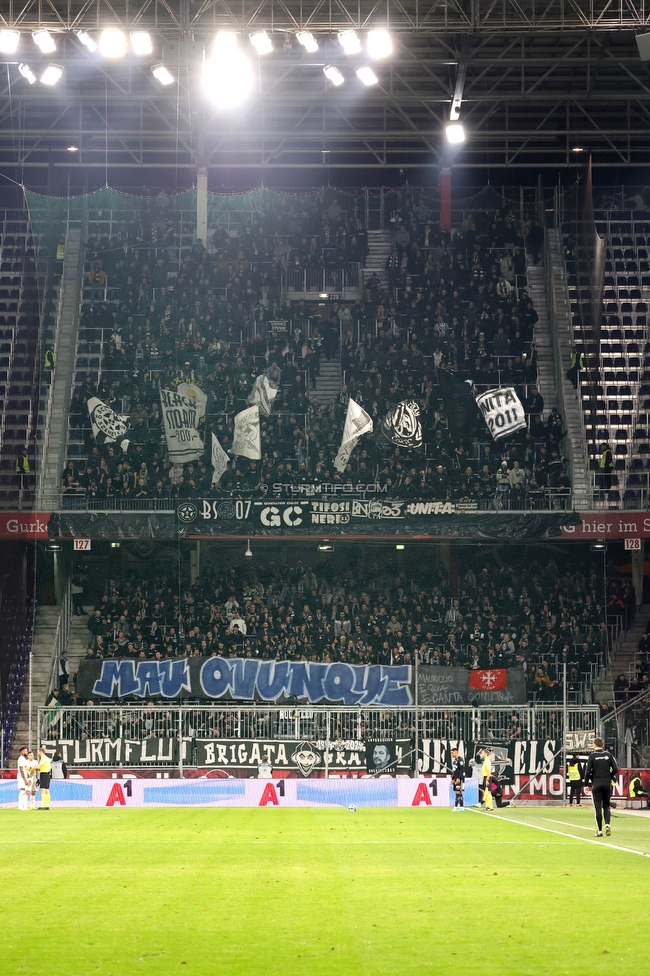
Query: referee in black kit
[(601, 770)]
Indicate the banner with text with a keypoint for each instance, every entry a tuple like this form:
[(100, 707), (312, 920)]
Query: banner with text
[(457, 686), (246, 679)]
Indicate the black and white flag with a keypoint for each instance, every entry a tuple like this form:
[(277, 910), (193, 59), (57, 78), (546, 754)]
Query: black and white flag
[(246, 437), (108, 426), (180, 416), (220, 460), (196, 395), (502, 411), (263, 394), (403, 426), (381, 756), (357, 423)]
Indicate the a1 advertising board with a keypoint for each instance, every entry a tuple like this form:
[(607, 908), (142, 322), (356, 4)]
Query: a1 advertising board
[(119, 793)]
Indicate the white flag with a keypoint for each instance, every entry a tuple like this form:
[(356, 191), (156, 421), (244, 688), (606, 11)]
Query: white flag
[(108, 426), (220, 460), (263, 394), (196, 394), (502, 411), (181, 419), (246, 437), (357, 423)]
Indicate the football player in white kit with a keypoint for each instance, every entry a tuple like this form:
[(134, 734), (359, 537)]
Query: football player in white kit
[(33, 774), (24, 781)]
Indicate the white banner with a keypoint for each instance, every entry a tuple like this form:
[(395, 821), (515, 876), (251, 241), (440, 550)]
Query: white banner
[(180, 420), (502, 411), (263, 394), (246, 437), (357, 423), (108, 426), (196, 395), (220, 460)]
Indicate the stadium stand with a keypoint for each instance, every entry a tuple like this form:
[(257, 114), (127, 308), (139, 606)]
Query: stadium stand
[(160, 309), (532, 616), (616, 408), (19, 358)]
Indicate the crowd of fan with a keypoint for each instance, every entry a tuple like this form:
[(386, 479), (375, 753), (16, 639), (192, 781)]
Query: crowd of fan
[(535, 617), (452, 303)]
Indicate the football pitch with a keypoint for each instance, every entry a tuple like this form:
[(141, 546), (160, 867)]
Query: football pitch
[(316, 891)]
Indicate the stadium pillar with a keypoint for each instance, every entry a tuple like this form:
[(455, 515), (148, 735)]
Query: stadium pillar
[(638, 556), (445, 200), (202, 205)]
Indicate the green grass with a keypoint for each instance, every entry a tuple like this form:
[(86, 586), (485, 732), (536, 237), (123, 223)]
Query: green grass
[(382, 891)]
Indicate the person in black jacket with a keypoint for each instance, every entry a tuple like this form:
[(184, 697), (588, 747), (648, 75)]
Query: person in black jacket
[(601, 770), (457, 780)]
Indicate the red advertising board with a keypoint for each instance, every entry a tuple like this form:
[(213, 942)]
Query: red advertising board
[(608, 525), (24, 525)]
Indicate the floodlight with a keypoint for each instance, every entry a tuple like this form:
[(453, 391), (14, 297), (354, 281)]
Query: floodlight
[(27, 73), (51, 74), (367, 76), (308, 41), (9, 41), (44, 41), (333, 74), (577, 149), (162, 74), (141, 43), (227, 75), (380, 44), (349, 41), (86, 40), (262, 42), (455, 134), (73, 149), (112, 43)]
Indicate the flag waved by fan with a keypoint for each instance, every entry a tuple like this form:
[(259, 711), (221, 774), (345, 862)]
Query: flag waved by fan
[(263, 394), (357, 423), (108, 427), (246, 439), (402, 426), (219, 460)]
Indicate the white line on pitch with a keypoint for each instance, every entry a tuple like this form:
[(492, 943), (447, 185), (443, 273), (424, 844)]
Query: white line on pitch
[(563, 833), (565, 824)]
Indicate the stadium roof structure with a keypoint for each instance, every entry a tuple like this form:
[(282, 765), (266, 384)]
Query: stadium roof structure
[(535, 82)]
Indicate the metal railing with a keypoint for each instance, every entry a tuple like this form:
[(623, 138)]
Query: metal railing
[(298, 723), (323, 281), (61, 637)]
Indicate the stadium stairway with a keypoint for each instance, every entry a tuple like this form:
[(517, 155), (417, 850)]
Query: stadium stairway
[(624, 655), (328, 381), (77, 645), (542, 337), (46, 622), (569, 402), (379, 248), (53, 417)]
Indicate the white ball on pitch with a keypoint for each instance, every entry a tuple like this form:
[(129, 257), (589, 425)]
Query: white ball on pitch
[(352, 808)]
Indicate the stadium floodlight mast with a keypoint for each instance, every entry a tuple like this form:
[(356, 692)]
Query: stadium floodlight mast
[(9, 41), (27, 73), (349, 41), (44, 41), (367, 76), (308, 41), (84, 38), (455, 133), (141, 43), (261, 42), (51, 75), (112, 43), (227, 73), (333, 74), (380, 44), (162, 74)]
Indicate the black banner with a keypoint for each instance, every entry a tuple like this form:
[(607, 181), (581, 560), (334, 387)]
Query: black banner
[(306, 757), (529, 757), (381, 756), (452, 687), (151, 751), (246, 679), (312, 516)]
